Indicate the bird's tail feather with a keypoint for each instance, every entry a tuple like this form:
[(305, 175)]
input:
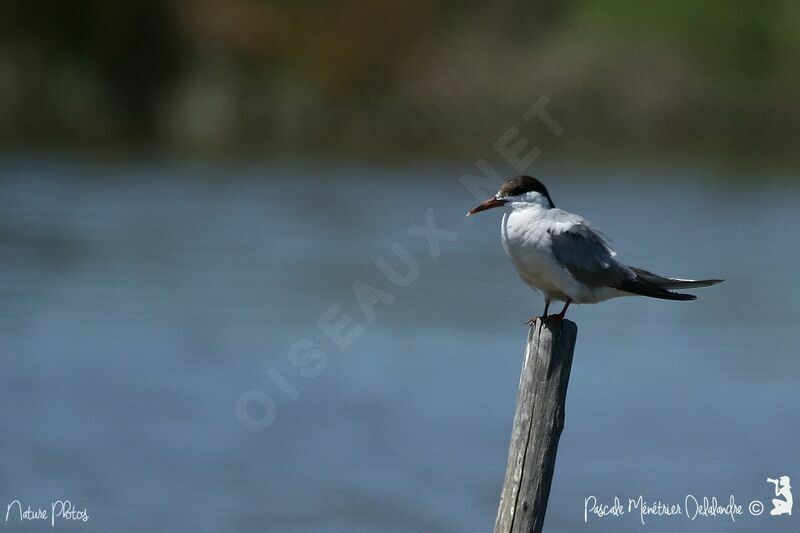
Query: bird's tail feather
[(645, 288), (672, 283)]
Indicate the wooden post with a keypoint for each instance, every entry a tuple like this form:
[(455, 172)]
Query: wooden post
[(537, 426)]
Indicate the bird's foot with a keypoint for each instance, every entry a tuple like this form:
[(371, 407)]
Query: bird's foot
[(555, 316), (532, 320)]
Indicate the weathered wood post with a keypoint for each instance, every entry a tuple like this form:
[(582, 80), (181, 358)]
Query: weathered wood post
[(538, 422)]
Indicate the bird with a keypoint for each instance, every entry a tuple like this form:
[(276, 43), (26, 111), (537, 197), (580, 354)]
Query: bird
[(561, 255)]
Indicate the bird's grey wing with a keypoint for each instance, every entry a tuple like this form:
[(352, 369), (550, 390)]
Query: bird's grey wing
[(587, 256), (591, 261)]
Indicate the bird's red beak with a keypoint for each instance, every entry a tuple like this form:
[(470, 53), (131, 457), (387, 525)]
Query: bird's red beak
[(488, 204)]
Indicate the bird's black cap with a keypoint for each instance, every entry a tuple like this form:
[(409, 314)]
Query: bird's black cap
[(521, 185)]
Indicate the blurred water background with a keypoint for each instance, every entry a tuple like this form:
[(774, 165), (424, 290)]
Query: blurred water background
[(141, 301), (186, 188)]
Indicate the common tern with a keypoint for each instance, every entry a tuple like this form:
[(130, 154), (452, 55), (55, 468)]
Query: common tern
[(562, 256)]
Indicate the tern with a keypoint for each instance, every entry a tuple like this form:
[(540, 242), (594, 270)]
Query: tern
[(562, 256)]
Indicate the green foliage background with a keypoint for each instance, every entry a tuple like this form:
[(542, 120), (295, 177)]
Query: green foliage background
[(398, 76)]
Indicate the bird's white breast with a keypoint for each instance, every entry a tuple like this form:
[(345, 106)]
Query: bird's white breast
[(527, 240)]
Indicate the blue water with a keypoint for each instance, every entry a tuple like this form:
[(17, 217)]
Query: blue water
[(142, 303)]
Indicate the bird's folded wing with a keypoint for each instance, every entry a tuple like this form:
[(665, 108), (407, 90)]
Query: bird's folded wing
[(587, 256)]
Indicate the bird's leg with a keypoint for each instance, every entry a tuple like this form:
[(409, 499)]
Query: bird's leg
[(560, 316), (532, 319)]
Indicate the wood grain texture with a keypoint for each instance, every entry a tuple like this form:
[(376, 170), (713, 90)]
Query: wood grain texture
[(538, 422)]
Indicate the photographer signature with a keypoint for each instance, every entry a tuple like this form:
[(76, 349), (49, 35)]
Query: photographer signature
[(62, 510)]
